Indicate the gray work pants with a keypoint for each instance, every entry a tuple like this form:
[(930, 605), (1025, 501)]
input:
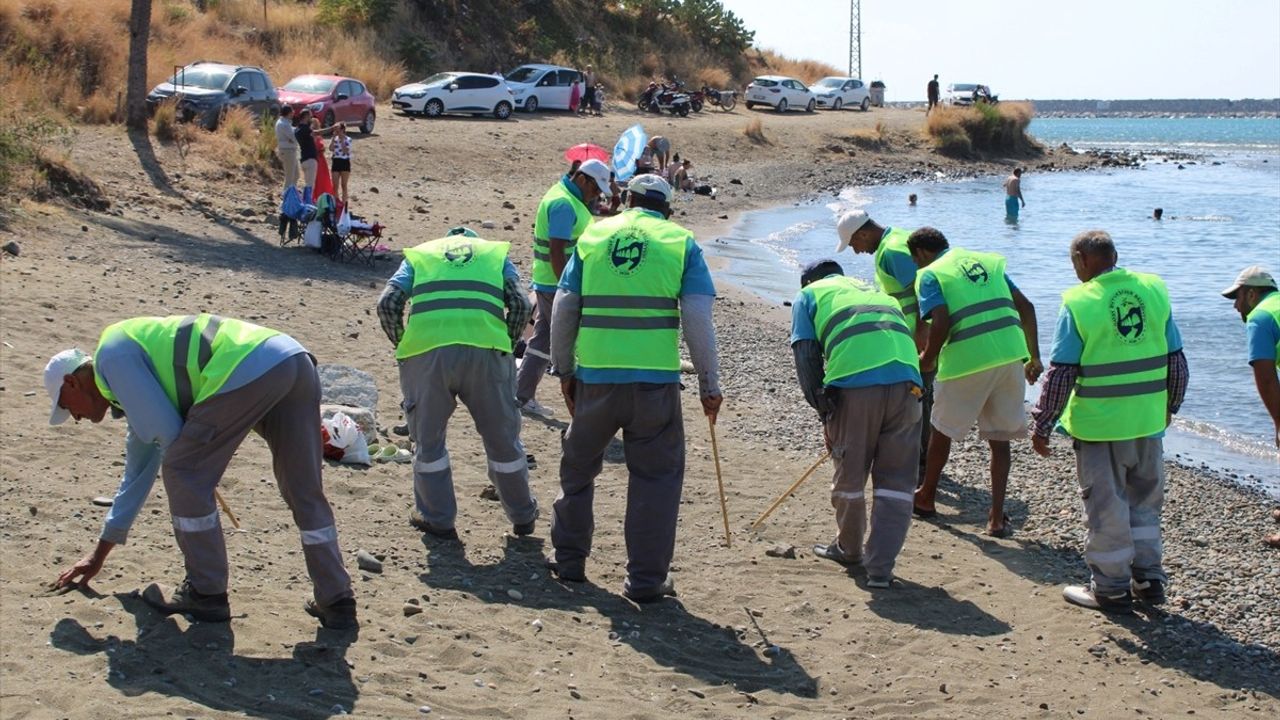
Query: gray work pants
[(484, 380), (1122, 487), (653, 440), (537, 354), (875, 430), (283, 406)]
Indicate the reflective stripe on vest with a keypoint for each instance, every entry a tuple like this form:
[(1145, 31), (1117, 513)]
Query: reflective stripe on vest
[(632, 269), (986, 331), (1270, 304), (457, 296), (1121, 390), (896, 242), (859, 328), (543, 272), (193, 355)]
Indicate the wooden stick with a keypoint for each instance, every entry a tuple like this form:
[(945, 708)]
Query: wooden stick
[(724, 510), (790, 490), (226, 508)]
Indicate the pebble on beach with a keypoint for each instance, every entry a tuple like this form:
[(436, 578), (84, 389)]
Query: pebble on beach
[(367, 562)]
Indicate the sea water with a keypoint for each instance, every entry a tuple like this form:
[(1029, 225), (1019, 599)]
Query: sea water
[(1221, 213)]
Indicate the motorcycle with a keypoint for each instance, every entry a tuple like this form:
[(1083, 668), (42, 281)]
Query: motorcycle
[(659, 98), (723, 99)]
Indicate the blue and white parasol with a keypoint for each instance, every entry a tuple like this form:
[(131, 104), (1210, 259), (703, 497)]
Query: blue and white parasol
[(627, 151)]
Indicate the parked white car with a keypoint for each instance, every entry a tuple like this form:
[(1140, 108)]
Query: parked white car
[(838, 93), (543, 86), (780, 93), (456, 92), (962, 93)]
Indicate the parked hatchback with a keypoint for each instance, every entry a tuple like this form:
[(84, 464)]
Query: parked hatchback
[(206, 90), (838, 93), (780, 93), (333, 99), (455, 92), (542, 86)]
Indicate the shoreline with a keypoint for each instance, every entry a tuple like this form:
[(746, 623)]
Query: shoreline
[(750, 633)]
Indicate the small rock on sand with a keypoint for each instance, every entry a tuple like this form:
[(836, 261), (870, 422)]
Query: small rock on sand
[(515, 594), (782, 551), (13, 248), (368, 562), (102, 501), (411, 609)]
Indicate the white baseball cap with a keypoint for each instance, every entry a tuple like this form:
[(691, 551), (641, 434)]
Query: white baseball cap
[(652, 186), (61, 365), (1252, 276), (850, 223), (599, 172)]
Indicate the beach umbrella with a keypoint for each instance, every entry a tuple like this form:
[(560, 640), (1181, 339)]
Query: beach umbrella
[(586, 151), (628, 150)]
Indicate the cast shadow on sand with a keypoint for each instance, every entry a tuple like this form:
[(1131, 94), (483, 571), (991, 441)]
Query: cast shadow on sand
[(665, 631), (199, 663), (1198, 649)]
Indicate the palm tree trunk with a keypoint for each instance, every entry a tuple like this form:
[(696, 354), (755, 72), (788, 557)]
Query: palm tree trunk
[(136, 88)]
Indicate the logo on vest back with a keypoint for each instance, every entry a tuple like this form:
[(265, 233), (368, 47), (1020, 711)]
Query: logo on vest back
[(459, 253), (627, 252), (1129, 314), (974, 270)]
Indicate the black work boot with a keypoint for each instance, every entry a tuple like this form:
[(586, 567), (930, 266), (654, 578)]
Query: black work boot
[(186, 600), (338, 615)]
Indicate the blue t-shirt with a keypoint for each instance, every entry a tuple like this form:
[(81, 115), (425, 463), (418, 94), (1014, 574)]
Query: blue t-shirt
[(931, 291), (561, 217), (802, 328), (695, 281), (898, 265), (1263, 334)]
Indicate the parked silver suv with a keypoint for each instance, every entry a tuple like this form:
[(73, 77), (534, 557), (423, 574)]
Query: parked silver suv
[(206, 89)]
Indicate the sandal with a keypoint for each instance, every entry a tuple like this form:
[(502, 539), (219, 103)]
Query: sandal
[(1004, 530)]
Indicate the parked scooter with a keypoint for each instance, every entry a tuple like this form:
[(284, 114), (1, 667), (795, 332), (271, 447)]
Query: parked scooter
[(723, 99), (660, 98)]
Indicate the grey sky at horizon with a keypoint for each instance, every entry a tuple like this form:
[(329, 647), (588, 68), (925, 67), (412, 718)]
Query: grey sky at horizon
[(1039, 50)]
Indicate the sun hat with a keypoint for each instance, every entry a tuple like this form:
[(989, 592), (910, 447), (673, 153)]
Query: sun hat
[(652, 186), (597, 171), (1252, 276), (848, 224), (59, 366)]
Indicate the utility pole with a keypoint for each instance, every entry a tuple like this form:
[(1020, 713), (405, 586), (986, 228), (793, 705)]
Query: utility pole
[(855, 38)]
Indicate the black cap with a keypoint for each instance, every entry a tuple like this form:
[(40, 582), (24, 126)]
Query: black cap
[(819, 269)]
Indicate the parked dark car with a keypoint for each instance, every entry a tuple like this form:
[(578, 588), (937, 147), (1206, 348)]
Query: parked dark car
[(331, 98), (206, 90)]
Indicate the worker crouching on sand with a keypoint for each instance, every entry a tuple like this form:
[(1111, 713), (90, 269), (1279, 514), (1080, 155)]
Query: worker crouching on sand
[(192, 388), (982, 342), (631, 283), (457, 346), (1116, 376), (868, 398)]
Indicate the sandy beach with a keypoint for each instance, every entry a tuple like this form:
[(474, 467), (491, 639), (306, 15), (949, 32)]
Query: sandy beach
[(974, 626)]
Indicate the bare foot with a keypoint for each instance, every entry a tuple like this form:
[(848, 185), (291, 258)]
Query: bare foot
[(1273, 540), (1275, 514)]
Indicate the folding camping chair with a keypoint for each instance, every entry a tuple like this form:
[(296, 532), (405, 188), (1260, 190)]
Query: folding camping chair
[(361, 241)]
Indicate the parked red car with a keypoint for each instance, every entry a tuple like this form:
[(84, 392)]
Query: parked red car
[(332, 98)]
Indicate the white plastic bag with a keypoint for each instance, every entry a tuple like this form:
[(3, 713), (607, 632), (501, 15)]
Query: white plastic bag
[(344, 223), (344, 433), (311, 236)]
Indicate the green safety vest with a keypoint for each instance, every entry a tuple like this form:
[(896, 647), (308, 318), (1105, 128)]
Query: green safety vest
[(859, 328), (905, 295), (632, 269), (193, 355), (1121, 392), (1269, 304), (457, 296), (543, 273), (986, 331)]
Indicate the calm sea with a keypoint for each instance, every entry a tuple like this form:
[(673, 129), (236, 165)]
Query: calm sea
[(1222, 212)]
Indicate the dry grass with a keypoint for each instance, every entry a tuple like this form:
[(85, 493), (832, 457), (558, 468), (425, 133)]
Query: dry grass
[(1001, 129), (754, 131), (164, 124), (876, 138), (806, 71), (99, 110), (713, 77)]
